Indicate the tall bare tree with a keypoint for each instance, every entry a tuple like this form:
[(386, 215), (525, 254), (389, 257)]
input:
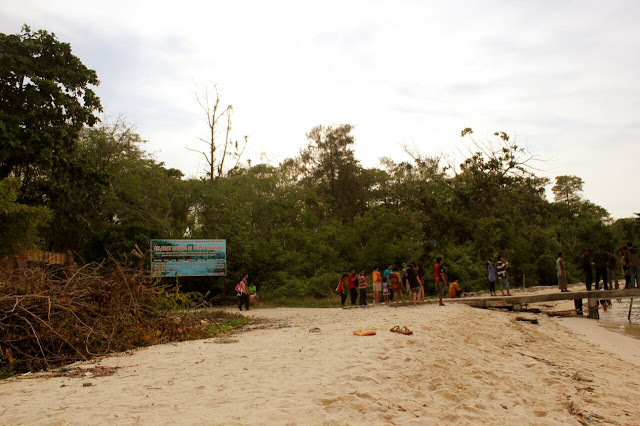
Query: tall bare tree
[(219, 150)]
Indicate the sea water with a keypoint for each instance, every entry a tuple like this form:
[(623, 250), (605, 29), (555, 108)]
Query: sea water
[(615, 319)]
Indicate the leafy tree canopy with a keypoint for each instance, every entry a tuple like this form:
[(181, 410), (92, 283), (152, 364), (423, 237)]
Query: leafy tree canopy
[(18, 223), (45, 99)]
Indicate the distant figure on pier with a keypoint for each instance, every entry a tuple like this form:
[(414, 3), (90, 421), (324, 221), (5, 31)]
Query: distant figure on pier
[(612, 270), (600, 259), (501, 273), (632, 259), (561, 271), (492, 278), (587, 269), (624, 267)]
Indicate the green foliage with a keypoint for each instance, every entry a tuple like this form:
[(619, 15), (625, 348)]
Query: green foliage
[(45, 100), (567, 189), (215, 330), (294, 228), (19, 224)]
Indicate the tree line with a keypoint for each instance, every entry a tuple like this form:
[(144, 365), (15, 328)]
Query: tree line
[(70, 182)]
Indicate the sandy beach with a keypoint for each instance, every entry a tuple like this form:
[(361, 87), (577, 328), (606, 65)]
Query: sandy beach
[(461, 366)]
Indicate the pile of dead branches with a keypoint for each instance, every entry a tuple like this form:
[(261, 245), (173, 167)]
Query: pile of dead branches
[(52, 317)]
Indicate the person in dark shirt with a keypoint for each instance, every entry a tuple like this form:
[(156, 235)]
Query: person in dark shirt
[(413, 284), (587, 269), (612, 271), (600, 259)]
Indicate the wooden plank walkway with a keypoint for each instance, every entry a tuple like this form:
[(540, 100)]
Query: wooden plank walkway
[(492, 302), (516, 302)]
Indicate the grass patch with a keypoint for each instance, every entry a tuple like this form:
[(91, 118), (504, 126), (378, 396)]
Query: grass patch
[(226, 326), (311, 302)]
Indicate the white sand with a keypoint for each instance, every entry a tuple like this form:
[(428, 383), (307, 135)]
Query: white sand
[(461, 366)]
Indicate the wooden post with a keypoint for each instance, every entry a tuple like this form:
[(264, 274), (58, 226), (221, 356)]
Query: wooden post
[(630, 305), (593, 308), (577, 304)]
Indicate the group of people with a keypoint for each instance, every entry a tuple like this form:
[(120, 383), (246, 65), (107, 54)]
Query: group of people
[(606, 267), (246, 292), (499, 272), (392, 283)]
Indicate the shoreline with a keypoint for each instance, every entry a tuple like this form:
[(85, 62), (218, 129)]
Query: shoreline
[(462, 365)]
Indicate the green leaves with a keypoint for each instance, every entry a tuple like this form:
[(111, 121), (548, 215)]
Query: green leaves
[(19, 224), (45, 99)]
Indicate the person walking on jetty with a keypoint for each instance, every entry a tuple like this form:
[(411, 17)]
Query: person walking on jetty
[(587, 269), (624, 267), (353, 287), (441, 280), (243, 292), (342, 289), (492, 278), (612, 270), (633, 263), (362, 285), (501, 274), (600, 259), (377, 285), (561, 271)]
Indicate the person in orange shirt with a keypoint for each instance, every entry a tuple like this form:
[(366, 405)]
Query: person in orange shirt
[(377, 285), (454, 290), (395, 284)]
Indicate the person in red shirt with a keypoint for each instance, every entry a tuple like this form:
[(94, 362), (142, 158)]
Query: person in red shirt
[(342, 290), (353, 287), (441, 281), (243, 292)]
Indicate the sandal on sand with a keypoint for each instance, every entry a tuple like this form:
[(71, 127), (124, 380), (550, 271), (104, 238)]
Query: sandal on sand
[(403, 330), (364, 333)]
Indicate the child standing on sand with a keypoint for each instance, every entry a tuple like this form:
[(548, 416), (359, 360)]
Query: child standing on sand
[(385, 290)]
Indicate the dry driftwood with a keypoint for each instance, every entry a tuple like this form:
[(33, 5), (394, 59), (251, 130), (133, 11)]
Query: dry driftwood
[(54, 316)]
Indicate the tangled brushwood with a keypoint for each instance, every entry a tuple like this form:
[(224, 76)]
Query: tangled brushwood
[(51, 317)]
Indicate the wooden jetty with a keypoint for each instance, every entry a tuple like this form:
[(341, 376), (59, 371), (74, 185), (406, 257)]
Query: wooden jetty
[(517, 302)]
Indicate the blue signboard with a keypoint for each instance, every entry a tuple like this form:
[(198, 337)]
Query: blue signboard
[(189, 258)]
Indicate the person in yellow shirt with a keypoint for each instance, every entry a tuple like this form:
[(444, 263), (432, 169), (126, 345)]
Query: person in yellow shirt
[(377, 285), (454, 289)]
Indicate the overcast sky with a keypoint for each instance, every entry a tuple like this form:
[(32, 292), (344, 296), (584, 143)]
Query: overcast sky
[(560, 76)]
